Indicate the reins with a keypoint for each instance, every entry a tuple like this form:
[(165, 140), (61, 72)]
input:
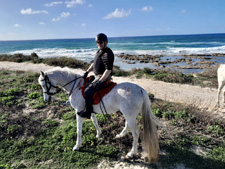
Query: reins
[(72, 81), (72, 90)]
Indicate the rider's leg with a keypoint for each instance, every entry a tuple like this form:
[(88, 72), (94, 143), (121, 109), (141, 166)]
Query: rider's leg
[(88, 94)]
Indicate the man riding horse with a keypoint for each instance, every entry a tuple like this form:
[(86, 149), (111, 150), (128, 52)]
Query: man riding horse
[(102, 67)]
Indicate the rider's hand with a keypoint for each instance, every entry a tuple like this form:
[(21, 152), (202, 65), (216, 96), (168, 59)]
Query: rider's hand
[(97, 84), (85, 75)]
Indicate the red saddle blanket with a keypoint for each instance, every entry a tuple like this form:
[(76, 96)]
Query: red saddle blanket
[(103, 91)]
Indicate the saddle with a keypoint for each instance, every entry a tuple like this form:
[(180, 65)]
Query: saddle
[(108, 86)]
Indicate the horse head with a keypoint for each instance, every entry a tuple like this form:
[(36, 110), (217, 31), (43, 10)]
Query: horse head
[(47, 85)]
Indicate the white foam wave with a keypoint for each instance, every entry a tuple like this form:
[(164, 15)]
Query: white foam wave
[(88, 54), (59, 52), (175, 51), (210, 50)]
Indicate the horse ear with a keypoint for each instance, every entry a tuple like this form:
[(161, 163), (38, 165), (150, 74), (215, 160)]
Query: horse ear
[(42, 73)]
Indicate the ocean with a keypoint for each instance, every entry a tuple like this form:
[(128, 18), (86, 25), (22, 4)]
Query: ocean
[(85, 49)]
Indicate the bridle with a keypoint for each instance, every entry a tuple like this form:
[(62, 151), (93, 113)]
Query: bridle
[(49, 85)]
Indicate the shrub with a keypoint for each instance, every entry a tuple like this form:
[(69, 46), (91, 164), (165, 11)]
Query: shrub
[(34, 55), (50, 123), (65, 61), (15, 128), (69, 115), (215, 129), (10, 92), (168, 115), (34, 95)]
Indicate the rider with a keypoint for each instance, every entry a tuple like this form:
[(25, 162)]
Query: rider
[(102, 67)]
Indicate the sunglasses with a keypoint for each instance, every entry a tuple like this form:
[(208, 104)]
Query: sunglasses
[(100, 42)]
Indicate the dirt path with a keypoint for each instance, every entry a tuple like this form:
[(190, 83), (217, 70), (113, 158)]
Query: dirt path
[(190, 95)]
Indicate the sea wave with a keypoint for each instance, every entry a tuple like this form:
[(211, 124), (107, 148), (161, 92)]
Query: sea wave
[(209, 50), (175, 51), (59, 52), (87, 54)]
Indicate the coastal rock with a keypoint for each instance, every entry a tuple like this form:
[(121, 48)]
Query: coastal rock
[(218, 54), (192, 61)]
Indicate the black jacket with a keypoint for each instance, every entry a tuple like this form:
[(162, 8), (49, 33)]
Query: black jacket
[(103, 60)]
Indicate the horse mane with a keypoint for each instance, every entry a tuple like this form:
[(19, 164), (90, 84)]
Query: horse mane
[(66, 70)]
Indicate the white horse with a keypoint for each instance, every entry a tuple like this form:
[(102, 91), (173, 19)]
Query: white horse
[(221, 83), (128, 98)]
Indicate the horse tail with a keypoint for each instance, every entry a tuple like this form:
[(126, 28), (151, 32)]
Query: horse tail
[(150, 140)]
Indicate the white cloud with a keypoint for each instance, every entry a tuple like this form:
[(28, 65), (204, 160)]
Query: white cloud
[(183, 11), (147, 8), (117, 14), (73, 3), (62, 15), (42, 23), (53, 3), (89, 5), (30, 11), (16, 25), (83, 25)]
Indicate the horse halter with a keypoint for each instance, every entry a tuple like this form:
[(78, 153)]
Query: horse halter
[(48, 85)]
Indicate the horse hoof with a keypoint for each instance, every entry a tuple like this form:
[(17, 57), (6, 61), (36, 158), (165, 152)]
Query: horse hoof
[(75, 148), (98, 135), (129, 155), (118, 136)]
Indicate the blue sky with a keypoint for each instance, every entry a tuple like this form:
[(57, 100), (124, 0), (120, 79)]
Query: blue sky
[(57, 19)]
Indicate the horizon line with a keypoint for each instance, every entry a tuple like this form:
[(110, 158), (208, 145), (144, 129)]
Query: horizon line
[(113, 37)]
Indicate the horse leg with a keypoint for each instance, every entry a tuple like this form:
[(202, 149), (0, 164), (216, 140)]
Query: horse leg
[(220, 88), (124, 131), (95, 122), (79, 133), (135, 133)]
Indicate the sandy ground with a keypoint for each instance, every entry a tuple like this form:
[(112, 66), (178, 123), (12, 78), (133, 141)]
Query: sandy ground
[(204, 98)]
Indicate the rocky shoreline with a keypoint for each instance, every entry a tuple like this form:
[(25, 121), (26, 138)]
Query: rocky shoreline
[(193, 61)]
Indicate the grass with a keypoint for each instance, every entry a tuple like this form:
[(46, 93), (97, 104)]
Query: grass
[(43, 136), (188, 130), (36, 140)]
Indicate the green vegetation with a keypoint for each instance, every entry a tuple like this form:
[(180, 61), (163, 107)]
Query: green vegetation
[(35, 134), (206, 79), (38, 140), (188, 130), (21, 58)]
